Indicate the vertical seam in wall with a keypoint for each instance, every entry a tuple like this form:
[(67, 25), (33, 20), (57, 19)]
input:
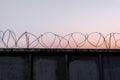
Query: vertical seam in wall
[(30, 67), (101, 70)]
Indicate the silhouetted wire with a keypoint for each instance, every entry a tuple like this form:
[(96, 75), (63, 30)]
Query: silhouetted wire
[(100, 37), (109, 41), (27, 36)]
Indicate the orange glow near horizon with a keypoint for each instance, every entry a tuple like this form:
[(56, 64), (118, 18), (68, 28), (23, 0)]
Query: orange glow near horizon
[(60, 24)]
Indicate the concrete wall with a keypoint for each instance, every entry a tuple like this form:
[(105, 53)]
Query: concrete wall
[(59, 66)]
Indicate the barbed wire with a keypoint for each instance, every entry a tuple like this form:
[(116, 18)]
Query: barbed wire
[(8, 39)]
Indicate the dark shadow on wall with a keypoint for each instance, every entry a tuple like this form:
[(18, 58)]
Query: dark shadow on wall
[(59, 64)]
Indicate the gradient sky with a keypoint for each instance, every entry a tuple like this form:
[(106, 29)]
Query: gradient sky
[(60, 16)]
